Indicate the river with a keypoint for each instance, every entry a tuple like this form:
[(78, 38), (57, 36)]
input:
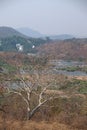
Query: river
[(59, 64)]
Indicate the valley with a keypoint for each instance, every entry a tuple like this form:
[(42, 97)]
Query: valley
[(43, 65)]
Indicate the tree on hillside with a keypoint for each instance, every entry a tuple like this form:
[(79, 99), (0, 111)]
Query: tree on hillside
[(34, 85)]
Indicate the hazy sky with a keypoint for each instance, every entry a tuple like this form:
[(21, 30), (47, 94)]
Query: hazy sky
[(46, 16)]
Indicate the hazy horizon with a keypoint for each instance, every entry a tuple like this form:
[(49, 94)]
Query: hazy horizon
[(51, 17)]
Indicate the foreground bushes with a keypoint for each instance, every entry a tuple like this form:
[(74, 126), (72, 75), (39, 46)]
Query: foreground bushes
[(67, 113)]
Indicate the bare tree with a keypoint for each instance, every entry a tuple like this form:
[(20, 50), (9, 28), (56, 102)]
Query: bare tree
[(30, 86), (2, 91)]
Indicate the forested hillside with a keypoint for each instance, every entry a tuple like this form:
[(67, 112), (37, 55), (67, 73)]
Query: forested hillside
[(13, 41), (9, 32), (72, 49), (20, 44)]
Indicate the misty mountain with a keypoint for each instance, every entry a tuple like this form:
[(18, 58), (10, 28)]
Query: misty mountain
[(30, 32), (9, 32), (61, 37), (35, 34)]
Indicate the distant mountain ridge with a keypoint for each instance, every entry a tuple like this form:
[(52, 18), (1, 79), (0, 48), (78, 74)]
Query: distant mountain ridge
[(61, 37), (30, 32), (9, 32), (14, 41), (27, 33), (35, 34)]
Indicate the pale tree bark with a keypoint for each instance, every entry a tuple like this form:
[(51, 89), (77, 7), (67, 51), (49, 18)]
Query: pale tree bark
[(29, 88)]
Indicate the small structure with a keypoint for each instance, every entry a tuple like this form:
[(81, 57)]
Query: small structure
[(19, 47), (33, 46)]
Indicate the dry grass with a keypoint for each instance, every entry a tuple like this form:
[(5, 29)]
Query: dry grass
[(32, 125), (67, 112)]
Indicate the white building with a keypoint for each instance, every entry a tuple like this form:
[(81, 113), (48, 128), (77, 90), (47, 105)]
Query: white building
[(19, 47)]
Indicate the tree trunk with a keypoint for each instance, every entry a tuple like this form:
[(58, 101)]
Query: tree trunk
[(33, 112), (35, 109), (28, 113)]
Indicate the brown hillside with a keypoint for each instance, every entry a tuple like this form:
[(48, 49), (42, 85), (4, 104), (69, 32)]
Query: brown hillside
[(75, 49), (12, 58)]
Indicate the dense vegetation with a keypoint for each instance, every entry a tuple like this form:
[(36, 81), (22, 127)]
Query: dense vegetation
[(9, 44), (72, 49), (67, 109)]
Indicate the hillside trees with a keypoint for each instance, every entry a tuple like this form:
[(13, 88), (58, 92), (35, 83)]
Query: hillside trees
[(9, 44)]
